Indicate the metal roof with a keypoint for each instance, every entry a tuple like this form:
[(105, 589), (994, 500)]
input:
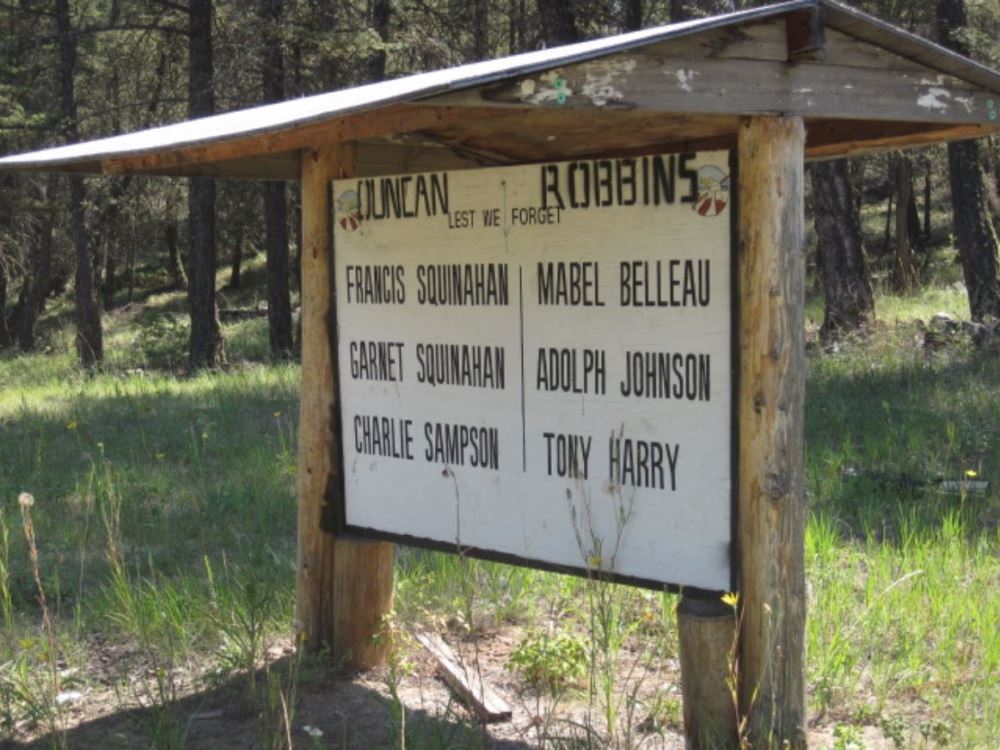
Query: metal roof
[(289, 115)]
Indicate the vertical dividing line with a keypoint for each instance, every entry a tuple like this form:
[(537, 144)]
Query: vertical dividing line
[(524, 429)]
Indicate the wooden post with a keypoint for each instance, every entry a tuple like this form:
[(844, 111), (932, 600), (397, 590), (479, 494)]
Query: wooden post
[(771, 410), (343, 586), (707, 632)]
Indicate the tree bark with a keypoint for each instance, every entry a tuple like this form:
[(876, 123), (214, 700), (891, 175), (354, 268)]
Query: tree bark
[(6, 221), (975, 234), (206, 333), (927, 203), (89, 337), (683, 10), (108, 284), (236, 267), (130, 270), (902, 267), (847, 291), (633, 15), (178, 278), (4, 332), (558, 22), (381, 12), (39, 281), (480, 29), (279, 305)]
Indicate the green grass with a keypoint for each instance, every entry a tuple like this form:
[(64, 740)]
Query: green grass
[(165, 519)]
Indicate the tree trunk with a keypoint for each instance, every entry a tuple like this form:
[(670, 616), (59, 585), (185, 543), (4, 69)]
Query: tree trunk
[(279, 305), (108, 285), (6, 221), (381, 12), (633, 15), (4, 332), (178, 278), (975, 235), (846, 288), (480, 29), (89, 336), (130, 269), (39, 280), (902, 266), (683, 10), (887, 232), (206, 332), (558, 22), (89, 339), (237, 262), (927, 203)]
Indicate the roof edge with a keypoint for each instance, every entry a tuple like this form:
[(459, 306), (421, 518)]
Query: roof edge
[(437, 83)]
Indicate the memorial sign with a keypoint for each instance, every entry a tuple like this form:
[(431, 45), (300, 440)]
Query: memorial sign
[(536, 364)]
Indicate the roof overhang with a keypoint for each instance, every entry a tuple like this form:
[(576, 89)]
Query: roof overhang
[(859, 83)]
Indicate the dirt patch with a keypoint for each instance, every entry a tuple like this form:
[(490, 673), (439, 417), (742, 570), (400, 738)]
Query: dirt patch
[(122, 705)]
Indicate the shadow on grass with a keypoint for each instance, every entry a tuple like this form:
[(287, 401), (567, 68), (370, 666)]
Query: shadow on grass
[(882, 432), (179, 469), (351, 713)]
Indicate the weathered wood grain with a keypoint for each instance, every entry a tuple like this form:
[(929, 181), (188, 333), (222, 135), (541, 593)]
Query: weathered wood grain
[(390, 120), (644, 81), (707, 635), (343, 586), (771, 405), (466, 681)]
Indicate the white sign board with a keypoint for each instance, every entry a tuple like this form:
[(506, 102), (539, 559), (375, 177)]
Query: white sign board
[(535, 363)]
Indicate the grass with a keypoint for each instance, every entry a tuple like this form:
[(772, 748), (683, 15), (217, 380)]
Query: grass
[(164, 517)]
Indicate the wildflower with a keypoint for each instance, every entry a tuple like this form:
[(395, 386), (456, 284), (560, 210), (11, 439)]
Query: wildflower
[(72, 425), (25, 500), (314, 732), (971, 473), (204, 436), (732, 598)]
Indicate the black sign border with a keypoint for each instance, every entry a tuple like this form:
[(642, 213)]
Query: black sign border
[(334, 514)]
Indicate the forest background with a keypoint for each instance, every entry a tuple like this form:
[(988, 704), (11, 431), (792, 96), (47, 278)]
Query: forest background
[(71, 71), (149, 386)]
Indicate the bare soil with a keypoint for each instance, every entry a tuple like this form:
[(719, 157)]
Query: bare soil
[(118, 706)]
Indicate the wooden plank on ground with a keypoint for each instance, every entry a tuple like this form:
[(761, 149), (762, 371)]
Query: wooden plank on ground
[(466, 681)]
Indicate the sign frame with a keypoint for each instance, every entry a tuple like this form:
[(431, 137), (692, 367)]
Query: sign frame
[(334, 515)]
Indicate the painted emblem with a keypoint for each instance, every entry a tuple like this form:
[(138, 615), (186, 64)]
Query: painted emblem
[(349, 210), (713, 191)]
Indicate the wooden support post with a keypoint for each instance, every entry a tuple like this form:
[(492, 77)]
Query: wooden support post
[(707, 633), (343, 586), (771, 440)]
